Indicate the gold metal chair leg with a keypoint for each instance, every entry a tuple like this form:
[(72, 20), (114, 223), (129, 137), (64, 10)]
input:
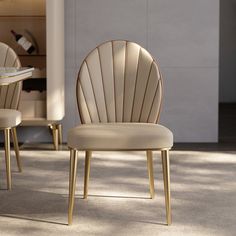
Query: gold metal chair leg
[(72, 183), (59, 128), (87, 172), (7, 157), (150, 173), (16, 148), (166, 178), (55, 135)]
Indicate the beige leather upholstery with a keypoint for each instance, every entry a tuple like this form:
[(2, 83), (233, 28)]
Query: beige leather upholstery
[(9, 101), (9, 95), (119, 92), (120, 136), (119, 81), (9, 118)]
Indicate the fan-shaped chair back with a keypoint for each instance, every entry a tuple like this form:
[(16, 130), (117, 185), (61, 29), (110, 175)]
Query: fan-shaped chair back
[(119, 81), (10, 94)]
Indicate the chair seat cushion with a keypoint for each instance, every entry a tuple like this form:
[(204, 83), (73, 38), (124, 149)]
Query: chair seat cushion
[(120, 136), (9, 118)]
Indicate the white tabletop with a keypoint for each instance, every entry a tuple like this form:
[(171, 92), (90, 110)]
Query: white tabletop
[(10, 75)]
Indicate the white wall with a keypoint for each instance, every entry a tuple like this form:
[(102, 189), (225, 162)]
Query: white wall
[(228, 51), (182, 34)]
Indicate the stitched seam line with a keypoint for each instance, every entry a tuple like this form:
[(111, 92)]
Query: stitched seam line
[(104, 95), (147, 82), (113, 62), (124, 81), (82, 91), (93, 91), (135, 85), (14, 95), (153, 100)]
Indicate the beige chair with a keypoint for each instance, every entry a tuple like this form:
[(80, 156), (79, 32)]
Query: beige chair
[(9, 101), (119, 93)]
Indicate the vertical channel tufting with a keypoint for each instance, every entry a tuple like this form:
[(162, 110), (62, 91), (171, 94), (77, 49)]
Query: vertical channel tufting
[(83, 105), (106, 62), (119, 82), (123, 105), (15, 95), (9, 95), (143, 71), (119, 50), (3, 52), (146, 94), (132, 58), (3, 59), (103, 90), (135, 85), (94, 68), (154, 112), (88, 91), (114, 88), (153, 81), (3, 96)]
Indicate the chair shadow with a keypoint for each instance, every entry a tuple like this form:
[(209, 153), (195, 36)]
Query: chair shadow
[(151, 222), (34, 220), (124, 197), (111, 196)]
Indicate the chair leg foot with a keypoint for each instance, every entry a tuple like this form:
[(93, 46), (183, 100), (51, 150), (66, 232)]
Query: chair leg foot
[(72, 183), (7, 157), (54, 129), (150, 173), (88, 155), (16, 148), (59, 128), (166, 179)]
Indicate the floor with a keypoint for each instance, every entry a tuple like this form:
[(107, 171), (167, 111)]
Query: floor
[(203, 185), (203, 195)]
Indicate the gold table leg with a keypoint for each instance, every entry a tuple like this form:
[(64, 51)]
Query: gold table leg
[(59, 128), (54, 135)]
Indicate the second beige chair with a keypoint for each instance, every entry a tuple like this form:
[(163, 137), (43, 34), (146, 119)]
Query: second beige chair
[(119, 93), (9, 101)]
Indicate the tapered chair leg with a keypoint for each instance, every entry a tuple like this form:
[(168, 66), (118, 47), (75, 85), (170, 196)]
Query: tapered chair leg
[(150, 173), (7, 157), (87, 172), (55, 135), (59, 128), (16, 148), (166, 178), (72, 183)]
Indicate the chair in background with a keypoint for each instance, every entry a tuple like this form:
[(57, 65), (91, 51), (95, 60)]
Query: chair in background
[(9, 101), (119, 93)]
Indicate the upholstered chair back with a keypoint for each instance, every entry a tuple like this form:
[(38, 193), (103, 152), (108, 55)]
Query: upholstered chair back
[(119, 81), (10, 94)]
